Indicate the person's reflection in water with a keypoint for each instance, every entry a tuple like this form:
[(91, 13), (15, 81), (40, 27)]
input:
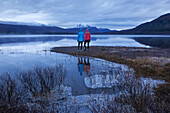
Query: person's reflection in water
[(87, 65), (80, 65)]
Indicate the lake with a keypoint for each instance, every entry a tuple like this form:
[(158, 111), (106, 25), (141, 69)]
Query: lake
[(27, 51), (19, 52), (84, 75)]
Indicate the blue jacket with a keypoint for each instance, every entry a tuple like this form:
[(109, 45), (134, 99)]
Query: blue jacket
[(80, 37), (81, 68)]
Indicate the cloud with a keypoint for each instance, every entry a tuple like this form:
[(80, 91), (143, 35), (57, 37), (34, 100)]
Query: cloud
[(17, 16), (114, 14)]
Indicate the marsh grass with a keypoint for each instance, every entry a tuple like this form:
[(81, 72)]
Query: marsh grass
[(32, 90), (138, 98), (41, 90), (41, 82)]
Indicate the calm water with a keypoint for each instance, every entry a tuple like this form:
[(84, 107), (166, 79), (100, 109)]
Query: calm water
[(85, 78), (24, 52), (18, 53)]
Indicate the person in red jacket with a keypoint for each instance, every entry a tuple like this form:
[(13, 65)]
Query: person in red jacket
[(87, 39)]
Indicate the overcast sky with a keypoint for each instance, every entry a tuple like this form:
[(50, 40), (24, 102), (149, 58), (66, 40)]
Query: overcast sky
[(113, 14)]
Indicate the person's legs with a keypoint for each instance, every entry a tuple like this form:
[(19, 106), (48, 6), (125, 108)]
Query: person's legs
[(81, 60), (85, 61), (81, 45), (78, 60), (88, 60), (88, 44), (85, 45), (78, 45)]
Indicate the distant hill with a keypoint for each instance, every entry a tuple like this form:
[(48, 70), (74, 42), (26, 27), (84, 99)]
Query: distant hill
[(26, 29), (160, 25), (17, 28)]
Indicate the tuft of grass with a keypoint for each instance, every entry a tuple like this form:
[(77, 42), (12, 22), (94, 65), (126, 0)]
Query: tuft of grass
[(9, 92), (41, 82)]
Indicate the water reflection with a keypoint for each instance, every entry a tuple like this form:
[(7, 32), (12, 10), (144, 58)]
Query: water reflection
[(83, 65), (87, 65), (45, 89), (80, 65), (100, 78), (66, 40), (49, 83)]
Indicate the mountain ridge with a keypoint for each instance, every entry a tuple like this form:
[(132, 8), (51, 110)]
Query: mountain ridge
[(160, 25), (16, 28)]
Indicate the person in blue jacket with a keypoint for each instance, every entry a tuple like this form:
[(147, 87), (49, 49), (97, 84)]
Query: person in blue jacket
[(80, 39)]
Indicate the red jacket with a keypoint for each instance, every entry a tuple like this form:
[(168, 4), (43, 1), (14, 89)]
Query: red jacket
[(87, 35), (87, 68)]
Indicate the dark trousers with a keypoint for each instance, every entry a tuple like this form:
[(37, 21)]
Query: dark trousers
[(80, 43), (86, 41)]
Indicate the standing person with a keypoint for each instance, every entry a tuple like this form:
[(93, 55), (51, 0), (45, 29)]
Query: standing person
[(87, 39), (80, 39)]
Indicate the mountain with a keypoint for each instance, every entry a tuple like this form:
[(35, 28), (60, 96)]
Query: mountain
[(21, 28), (161, 25), (91, 29), (28, 29)]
